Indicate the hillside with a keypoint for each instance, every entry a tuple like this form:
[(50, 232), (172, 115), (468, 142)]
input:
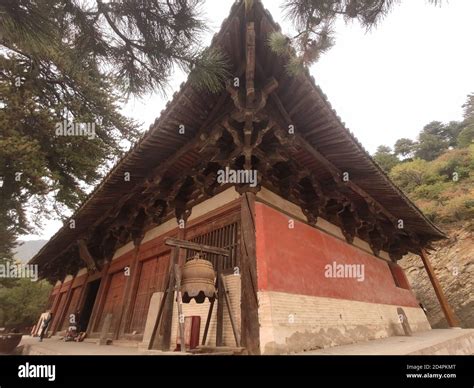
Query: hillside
[(441, 184), (442, 188)]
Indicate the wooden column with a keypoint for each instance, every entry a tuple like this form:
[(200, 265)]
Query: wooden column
[(56, 301), (130, 287), (181, 235), (448, 312), (83, 293), (164, 333), (60, 319), (220, 305), (99, 299), (250, 328), (177, 257)]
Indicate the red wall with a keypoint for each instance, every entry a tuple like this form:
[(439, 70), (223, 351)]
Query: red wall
[(294, 260)]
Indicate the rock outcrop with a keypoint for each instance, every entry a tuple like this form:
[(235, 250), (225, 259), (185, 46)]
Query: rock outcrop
[(453, 261)]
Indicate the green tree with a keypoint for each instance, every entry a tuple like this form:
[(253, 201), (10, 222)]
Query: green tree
[(314, 20), (404, 147), (432, 141), (466, 135), (385, 158), (22, 304), (452, 131), (469, 107), (76, 61), (410, 175), (136, 43)]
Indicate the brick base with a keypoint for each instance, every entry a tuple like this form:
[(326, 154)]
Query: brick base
[(293, 323)]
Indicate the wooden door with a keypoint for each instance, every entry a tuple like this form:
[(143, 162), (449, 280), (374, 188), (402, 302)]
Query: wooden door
[(72, 307), (59, 308), (113, 301), (152, 277)]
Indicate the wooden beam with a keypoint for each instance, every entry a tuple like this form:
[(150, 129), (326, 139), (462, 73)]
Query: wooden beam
[(248, 262), (338, 175), (174, 242), (325, 162), (104, 280), (213, 117), (86, 257), (250, 63), (448, 312)]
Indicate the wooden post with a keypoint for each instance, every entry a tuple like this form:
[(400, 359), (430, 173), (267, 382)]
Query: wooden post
[(130, 286), (167, 318), (208, 321), (220, 306), (83, 293), (56, 303), (158, 318), (99, 298), (448, 312), (60, 319), (177, 275), (231, 314), (404, 321), (104, 331), (181, 236), (250, 329)]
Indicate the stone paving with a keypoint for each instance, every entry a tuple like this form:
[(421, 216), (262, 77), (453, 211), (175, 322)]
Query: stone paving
[(437, 341), (432, 342), (56, 346)]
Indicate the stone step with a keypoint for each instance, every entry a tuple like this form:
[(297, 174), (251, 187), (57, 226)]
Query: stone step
[(462, 345)]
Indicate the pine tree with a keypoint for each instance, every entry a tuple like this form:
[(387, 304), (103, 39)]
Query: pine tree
[(432, 141), (314, 21), (466, 136), (76, 61), (404, 147)]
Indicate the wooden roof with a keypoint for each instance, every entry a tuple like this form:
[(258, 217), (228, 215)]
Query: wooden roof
[(244, 127)]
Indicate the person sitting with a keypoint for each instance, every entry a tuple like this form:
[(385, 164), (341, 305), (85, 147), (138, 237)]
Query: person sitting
[(73, 329)]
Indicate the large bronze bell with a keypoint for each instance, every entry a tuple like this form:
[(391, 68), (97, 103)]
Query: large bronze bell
[(198, 280)]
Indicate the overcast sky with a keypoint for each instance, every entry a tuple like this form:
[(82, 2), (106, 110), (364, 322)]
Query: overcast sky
[(415, 67)]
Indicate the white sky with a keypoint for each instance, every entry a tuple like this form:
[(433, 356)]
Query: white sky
[(415, 67)]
